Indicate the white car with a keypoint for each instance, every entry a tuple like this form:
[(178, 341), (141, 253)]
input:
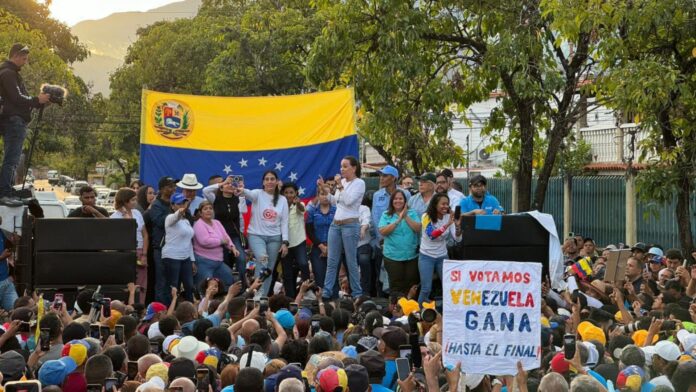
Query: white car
[(54, 208), (72, 202)]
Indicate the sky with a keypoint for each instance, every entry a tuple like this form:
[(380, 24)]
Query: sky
[(74, 11)]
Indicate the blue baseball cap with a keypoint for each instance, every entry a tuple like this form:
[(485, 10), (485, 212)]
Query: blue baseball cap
[(389, 171), (54, 372), (178, 198), (285, 318)]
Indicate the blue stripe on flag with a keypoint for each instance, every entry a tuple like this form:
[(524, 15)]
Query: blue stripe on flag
[(301, 165)]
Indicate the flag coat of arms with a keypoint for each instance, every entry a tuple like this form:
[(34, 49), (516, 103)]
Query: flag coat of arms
[(300, 137)]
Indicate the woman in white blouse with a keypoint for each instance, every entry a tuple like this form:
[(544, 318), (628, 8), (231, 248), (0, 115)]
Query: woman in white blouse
[(344, 233), (268, 229), (177, 252)]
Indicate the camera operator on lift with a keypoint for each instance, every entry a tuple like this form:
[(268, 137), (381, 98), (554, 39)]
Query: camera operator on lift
[(16, 114)]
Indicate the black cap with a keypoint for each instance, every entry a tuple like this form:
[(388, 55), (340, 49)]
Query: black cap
[(18, 48), (640, 246), (477, 179), (166, 181)]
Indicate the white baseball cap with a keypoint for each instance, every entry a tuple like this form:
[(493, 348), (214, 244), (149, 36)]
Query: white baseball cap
[(667, 350)]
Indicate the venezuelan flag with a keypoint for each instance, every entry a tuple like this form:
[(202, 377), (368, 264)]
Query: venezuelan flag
[(300, 137)]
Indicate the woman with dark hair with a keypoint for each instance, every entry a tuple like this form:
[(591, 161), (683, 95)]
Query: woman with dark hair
[(229, 204), (437, 227), (145, 196), (209, 241), (296, 259), (125, 204), (400, 227), (268, 229), (136, 185), (344, 233)]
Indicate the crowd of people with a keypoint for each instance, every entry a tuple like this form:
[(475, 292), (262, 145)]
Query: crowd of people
[(328, 294)]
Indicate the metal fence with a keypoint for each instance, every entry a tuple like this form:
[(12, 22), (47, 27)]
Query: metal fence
[(598, 209)]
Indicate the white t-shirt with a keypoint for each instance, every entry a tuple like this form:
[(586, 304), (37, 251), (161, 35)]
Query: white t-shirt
[(348, 200), (267, 219), (178, 238), (138, 220), (365, 220)]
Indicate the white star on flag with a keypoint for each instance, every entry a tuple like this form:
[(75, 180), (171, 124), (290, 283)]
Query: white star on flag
[(279, 166), (262, 161), (293, 176), (243, 163), (301, 191), (227, 169)]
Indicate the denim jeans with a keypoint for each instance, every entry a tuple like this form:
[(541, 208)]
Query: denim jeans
[(294, 261), (368, 279), (426, 266), (265, 249), (13, 130), (318, 266), (207, 268), (179, 272), (8, 294), (236, 263), (343, 238), (161, 291)]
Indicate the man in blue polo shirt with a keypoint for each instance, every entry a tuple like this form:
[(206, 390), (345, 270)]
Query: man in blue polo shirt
[(480, 202)]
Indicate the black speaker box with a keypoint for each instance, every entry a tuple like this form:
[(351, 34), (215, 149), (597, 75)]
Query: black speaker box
[(84, 234), (520, 238), (84, 268)]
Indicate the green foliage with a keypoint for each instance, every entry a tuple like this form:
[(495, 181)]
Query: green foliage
[(649, 70), (36, 16), (65, 141)]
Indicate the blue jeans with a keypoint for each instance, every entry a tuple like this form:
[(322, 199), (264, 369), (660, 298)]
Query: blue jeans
[(343, 238), (161, 292), (239, 262), (8, 294), (179, 272), (212, 269), (318, 266), (296, 260), (265, 249), (426, 266), (14, 130), (368, 279)]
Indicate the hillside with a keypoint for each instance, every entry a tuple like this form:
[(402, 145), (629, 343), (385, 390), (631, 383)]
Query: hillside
[(108, 39)]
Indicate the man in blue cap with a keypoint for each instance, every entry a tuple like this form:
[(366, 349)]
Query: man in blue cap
[(479, 201), (388, 177)]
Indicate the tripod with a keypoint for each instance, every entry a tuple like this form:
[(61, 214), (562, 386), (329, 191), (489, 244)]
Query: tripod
[(34, 137)]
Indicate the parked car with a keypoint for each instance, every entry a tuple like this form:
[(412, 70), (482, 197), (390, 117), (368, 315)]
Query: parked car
[(53, 177), (76, 186), (54, 208), (72, 202)]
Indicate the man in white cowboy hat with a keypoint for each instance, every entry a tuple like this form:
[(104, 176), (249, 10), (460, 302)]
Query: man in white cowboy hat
[(189, 187)]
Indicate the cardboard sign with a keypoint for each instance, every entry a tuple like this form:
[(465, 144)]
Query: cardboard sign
[(616, 265), (491, 315)]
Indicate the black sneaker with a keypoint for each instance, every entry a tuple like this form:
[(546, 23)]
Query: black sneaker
[(10, 201)]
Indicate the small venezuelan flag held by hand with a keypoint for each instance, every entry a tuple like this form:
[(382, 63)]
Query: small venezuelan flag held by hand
[(300, 137)]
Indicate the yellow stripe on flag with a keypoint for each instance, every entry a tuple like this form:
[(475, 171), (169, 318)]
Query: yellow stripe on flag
[(248, 123)]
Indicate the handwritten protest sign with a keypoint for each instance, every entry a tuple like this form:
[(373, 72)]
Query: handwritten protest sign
[(492, 315)]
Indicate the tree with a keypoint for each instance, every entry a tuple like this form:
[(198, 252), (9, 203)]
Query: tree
[(458, 52), (650, 66), (238, 48), (62, 139), (399, 78), (36, 16)]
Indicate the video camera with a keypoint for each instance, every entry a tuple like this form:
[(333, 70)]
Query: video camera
[(56, 94)]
